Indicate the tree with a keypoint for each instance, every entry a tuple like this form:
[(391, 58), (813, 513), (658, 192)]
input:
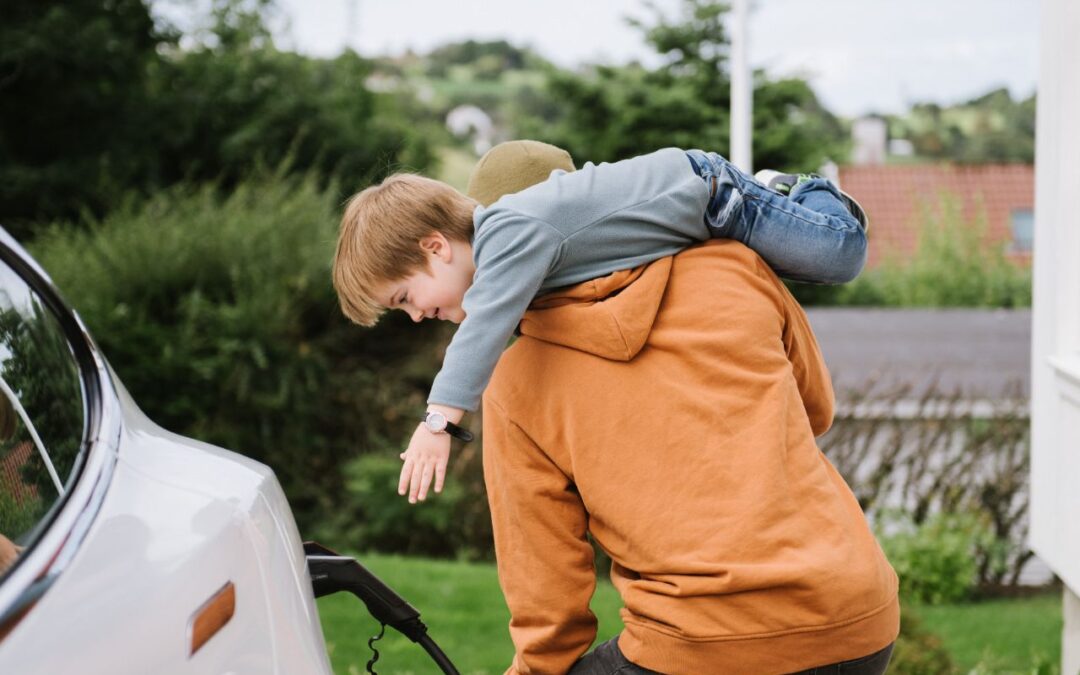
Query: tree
[(223, 110), (73, 109), (489, 59), (609, 113), (97, 102), (988, 128)]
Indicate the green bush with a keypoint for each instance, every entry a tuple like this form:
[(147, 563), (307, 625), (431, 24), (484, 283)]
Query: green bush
[(606, 113), (219, 315), (76, 125), (941, 459), (376, 518), (17, 517), (918, 651), (373, 517), (101, 98), (224, 108), (954, 265), (935, 560)]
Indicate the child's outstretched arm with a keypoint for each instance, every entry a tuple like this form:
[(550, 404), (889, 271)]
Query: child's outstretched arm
[(426, 457), (513, 258)]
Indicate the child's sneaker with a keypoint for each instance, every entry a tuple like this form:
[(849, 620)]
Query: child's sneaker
[(784, 183)]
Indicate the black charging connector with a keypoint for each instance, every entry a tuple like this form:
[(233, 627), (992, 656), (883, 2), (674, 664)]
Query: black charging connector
[(331, 572)]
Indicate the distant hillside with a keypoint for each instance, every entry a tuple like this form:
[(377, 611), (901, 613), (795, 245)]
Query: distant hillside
[(992, 128)]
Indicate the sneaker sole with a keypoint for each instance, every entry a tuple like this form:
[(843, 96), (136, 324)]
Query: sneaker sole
[(856, 209), (766, 177)]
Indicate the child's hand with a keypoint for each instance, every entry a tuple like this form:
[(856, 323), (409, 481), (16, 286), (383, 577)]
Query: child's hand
[(425, 459)]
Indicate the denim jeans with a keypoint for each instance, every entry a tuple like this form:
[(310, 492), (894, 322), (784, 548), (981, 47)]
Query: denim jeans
[(808, 235), (607, 659)]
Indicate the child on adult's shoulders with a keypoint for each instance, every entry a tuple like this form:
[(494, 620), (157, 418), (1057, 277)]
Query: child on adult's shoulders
[(531, 223)]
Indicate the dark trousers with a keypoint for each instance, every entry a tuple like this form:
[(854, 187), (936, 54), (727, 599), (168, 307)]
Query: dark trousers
[(606, 659)]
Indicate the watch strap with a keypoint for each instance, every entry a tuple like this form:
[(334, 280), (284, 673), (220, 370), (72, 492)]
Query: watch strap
[(458, 432)]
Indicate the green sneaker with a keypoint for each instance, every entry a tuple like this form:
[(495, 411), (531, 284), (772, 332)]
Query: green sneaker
[(784, 183)]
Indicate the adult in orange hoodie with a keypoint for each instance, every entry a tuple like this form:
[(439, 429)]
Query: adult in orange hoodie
[(670, 412)]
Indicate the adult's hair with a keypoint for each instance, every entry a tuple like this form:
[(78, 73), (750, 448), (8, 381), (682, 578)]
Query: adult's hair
[(513, 166)]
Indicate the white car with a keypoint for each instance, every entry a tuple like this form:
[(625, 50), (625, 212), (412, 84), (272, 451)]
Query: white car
[(125, 548)]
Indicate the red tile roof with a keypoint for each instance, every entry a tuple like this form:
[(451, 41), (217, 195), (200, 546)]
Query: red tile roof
[(894, 198), (11, 480)]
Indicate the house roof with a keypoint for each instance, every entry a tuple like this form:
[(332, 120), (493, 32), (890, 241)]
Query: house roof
[(894, 198), (11, 465)]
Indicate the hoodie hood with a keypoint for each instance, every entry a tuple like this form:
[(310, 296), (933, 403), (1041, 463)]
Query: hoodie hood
[(609, 317)]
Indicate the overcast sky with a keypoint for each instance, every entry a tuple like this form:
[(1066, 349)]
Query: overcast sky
[(860, 55)]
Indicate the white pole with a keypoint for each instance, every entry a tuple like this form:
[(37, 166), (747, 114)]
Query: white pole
[(742, 89), (14, 400), (351, 12)]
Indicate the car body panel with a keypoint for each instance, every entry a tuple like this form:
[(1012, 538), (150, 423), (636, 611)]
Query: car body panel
[(155, 525), (179, 520)]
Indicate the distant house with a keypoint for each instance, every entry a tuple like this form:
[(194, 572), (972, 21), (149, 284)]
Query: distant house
[(895, 198)]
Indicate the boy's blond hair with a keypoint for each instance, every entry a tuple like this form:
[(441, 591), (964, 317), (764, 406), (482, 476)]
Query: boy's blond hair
[(380, 235)]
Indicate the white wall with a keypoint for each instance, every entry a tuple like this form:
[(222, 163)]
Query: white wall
[(1055, 401)]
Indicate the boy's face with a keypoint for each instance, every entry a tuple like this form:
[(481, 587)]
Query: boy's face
[(437, 292)]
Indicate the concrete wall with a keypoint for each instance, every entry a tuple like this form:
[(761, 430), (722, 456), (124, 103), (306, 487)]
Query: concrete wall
[(1055, 358)]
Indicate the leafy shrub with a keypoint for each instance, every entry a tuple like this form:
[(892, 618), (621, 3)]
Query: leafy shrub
[(18, 517), (917, 651), (373, 517), (605, 113), (935, 560), (937, 456), (376, 518), (219, 315), (954, 265), (75, 122), (100, 98), (225, 107)]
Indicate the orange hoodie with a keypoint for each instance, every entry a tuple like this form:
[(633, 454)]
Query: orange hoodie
[(670, 411)]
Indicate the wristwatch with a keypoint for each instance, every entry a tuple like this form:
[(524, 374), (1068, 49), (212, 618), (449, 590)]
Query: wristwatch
[(436, 422)]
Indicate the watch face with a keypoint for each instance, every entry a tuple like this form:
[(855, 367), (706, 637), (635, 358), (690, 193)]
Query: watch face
[(436, 421)]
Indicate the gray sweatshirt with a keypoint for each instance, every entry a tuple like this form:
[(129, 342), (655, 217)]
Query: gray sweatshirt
[(568, 229)]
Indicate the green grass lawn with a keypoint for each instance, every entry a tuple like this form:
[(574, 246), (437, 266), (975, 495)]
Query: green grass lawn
[(464, 610), (462, 606), (1002, 636)]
